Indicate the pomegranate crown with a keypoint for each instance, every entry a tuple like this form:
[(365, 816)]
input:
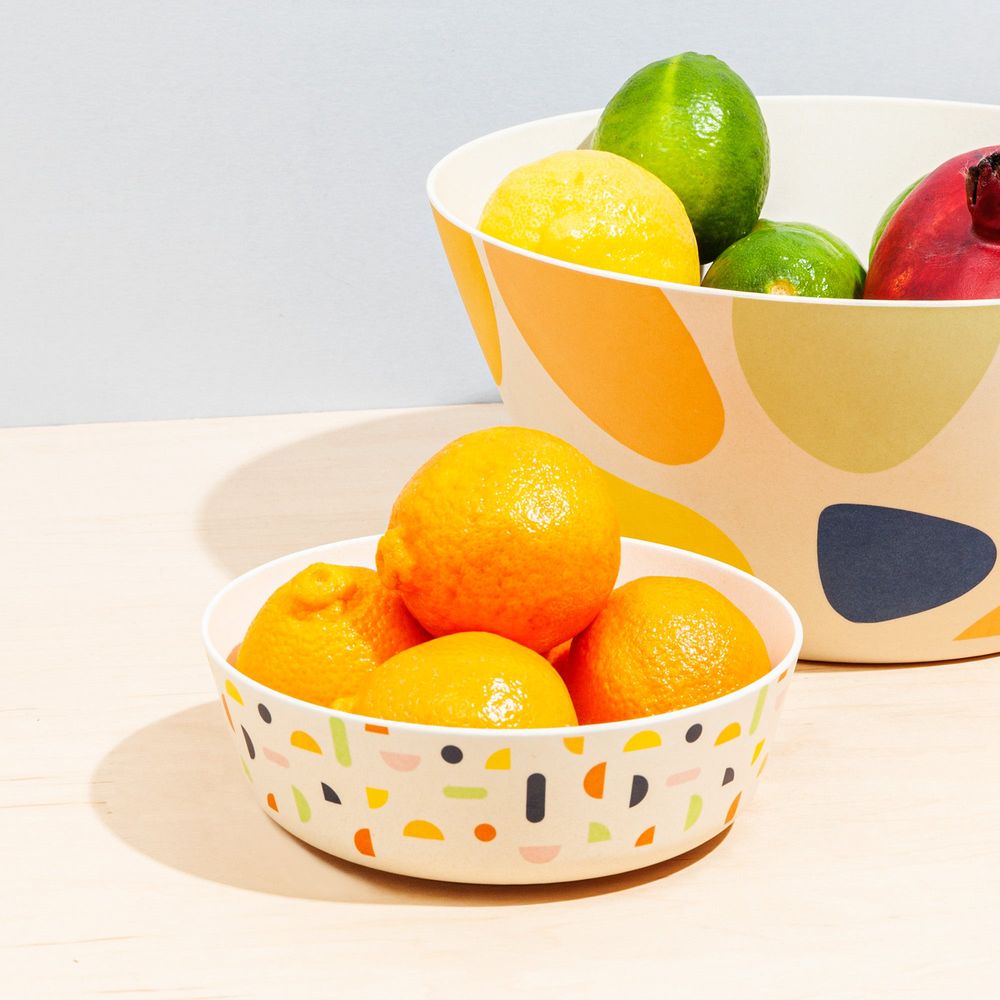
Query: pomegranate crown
[(982, 195)]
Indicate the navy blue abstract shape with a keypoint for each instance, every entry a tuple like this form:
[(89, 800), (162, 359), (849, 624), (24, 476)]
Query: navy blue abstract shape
[(534, 806), (640, 786), (881, 563)]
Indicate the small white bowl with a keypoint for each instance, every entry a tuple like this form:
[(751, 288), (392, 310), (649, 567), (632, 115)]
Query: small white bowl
[(512, 805)]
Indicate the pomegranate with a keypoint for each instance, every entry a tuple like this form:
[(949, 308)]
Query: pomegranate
[(943, 242)]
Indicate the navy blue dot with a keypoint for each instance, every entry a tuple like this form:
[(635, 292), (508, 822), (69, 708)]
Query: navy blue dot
[(693, 733), (250, 749), (728, 776), (329, 794), (451, 754), (264, 712)]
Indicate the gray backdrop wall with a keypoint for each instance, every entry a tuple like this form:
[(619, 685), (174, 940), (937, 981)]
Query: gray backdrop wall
[(212, 207)]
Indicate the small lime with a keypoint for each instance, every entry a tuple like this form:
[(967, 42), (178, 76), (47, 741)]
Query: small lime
[(694, 123), (789, 258), (887, 215)]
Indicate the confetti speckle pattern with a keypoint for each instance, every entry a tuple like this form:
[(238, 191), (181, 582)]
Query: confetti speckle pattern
[(304, 742), (370, 789), (423, 830), (401, 761), (499, 760), (645, 740), (500, 806), (274, 757), (593, 780)]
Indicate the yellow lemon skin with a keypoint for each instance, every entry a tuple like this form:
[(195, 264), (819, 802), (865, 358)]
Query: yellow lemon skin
[(596, 209)]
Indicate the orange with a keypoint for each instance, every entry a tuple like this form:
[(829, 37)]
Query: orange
[(662, 643), (558, 656), (505, 530), (469, 679), (320, 634)]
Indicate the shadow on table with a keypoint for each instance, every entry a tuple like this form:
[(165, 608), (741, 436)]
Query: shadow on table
[(324, 487), (823, 667), (174, 791)]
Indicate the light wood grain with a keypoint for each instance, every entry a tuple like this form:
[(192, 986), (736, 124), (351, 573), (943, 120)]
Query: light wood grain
[(135, 864)]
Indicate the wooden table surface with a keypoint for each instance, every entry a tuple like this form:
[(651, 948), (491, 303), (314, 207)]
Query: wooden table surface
[(135, 863)]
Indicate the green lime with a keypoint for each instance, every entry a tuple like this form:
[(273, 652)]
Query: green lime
[(694, 123), (789, 258), (887, 215)]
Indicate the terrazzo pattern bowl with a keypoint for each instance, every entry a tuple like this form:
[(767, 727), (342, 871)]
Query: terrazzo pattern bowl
[(503, 806), (845, 451)]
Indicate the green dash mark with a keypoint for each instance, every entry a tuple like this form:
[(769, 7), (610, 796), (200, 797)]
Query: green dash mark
[(597, 832), (305, 813), (464, 792), (758, 708), (694, 811), (246, 770), (339, 733)]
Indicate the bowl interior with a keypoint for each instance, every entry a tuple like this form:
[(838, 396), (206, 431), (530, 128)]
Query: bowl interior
[(231, 612), (836, 162)]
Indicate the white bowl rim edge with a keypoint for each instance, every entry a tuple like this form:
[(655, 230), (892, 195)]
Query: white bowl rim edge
[(432, 195), (787, 662)]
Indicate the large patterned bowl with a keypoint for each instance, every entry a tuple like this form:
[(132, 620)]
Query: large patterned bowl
[(503, 806), (846, 452)]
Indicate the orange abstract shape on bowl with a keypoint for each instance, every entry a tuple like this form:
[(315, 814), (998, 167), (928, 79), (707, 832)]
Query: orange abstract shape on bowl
[(619, 351), (472, 286), (862, 388), (648, 515), (422, 829), (983, 628)]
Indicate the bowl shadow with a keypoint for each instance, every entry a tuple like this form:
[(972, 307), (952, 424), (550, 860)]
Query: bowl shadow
[(831, 667), (332, 485), (173, 791)]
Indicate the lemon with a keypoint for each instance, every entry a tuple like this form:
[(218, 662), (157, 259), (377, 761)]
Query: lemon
[(598, 210), (693, 122)]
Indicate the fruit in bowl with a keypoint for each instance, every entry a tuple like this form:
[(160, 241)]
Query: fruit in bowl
[(434, 744), (693, 125), (942, 238), (598, 210), (777, 432), (788, 258), (694, 122), (504, 546), (503, 805)]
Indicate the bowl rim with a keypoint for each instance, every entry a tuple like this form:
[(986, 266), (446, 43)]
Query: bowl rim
[(787, 662), (433, 196)]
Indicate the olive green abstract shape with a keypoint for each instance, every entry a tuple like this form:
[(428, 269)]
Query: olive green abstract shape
[(862, 388)]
